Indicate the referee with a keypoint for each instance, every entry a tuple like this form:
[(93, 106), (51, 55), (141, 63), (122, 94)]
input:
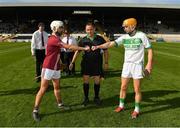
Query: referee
[(91, 64)]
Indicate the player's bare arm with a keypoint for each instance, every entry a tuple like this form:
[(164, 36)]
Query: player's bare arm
[(74, 47), (74, 59), (104, 46), (150, 60)]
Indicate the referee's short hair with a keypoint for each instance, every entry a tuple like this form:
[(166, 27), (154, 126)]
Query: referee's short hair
[(90, 23)]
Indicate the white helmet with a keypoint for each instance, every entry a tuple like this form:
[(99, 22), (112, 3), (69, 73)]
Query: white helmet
[(56, 24)]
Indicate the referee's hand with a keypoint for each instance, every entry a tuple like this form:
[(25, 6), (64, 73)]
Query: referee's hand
[(87, 48)]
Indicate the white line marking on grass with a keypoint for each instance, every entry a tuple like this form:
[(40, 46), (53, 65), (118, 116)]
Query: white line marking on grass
[(167, 54)]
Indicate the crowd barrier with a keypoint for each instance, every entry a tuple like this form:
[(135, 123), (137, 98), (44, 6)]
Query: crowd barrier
[(152, 37)]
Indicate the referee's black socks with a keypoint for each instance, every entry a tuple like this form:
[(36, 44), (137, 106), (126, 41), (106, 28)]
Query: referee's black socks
[(86, 90), (96, 90)]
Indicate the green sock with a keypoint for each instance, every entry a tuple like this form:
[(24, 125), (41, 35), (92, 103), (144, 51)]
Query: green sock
[(137, 107), (121, 102)]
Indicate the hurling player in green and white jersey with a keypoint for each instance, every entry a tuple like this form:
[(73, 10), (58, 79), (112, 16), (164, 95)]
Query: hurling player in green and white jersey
[(134, 43)]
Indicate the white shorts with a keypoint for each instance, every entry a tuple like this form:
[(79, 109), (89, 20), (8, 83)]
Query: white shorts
[(132, 70), (49, 74)]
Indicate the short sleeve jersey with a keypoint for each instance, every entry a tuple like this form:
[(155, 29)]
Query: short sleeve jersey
[(91, 56), (134, 46), (52, 59)]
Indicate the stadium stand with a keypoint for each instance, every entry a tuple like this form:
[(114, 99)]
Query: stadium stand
[(16, 22)]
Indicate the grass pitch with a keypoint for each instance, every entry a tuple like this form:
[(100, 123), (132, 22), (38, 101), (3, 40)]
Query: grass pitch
[(160, 103)]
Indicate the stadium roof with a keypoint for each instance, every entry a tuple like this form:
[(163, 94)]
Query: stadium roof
[(93, 3)]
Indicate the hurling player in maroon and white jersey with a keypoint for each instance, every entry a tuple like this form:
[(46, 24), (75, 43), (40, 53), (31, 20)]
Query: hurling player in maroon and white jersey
[(51, 66)]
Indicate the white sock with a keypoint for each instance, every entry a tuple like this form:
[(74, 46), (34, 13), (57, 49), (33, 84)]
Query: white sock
[(60, 104), (35, 110), (121, 102), (137, 109), (121, 105)]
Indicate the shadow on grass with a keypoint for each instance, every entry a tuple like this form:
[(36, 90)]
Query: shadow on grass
[(148, 96), (19, 91), (109, 102), (108, 74), (32, 91), (155, 100), (112, 73)]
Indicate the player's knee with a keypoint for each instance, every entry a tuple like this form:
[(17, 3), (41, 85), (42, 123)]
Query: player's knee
[(123, 88), (42, 91), (137, 92), (56, 88)]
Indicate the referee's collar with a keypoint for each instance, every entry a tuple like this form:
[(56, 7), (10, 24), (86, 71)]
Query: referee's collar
[(91, 38)]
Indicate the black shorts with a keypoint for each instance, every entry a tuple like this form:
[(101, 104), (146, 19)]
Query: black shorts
[(91, 68)]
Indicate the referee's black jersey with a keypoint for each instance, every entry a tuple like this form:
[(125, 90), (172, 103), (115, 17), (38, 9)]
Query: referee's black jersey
[(91, 60)]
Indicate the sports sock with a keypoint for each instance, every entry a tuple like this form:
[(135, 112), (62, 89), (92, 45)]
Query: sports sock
[(137, 107), (36, 109), (96, 90), (86, 90), (60, 104), (121, 102)]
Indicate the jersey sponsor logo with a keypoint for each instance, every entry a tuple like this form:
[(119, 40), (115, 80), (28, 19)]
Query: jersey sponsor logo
[(132, 44)]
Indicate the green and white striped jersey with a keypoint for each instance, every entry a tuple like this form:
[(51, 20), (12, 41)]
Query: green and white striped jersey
[(134, 46)]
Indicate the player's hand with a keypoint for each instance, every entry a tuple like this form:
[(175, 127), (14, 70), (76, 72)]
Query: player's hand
[(93, 48), (106, 66), (148, 68), (71, 66)]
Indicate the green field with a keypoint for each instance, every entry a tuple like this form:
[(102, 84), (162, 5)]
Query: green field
[(161, 93)]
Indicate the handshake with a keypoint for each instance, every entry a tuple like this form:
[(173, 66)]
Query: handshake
[(93, 48)]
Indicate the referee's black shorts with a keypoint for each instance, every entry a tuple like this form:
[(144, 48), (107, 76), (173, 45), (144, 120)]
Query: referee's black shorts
[(91, 68)]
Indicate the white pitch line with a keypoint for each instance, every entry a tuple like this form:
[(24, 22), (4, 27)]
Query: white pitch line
[(167, 54)]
